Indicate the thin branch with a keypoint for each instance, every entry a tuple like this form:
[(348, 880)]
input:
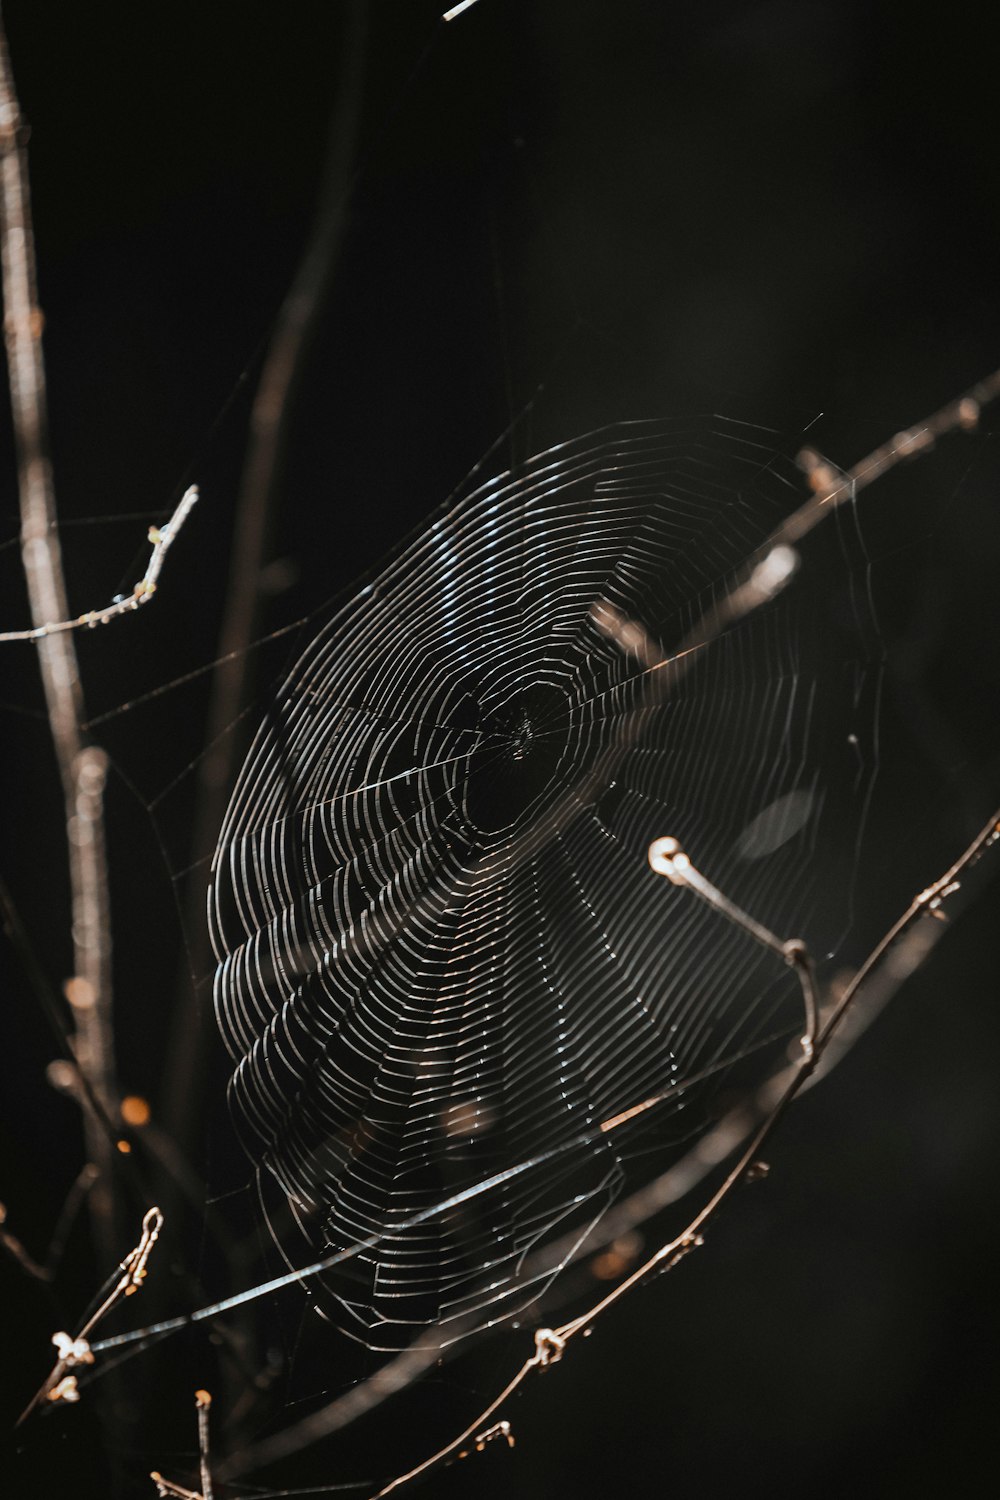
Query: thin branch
[(161, 538), (903, 948), (167, 1488), (666, 857), (551, 1343), (81, 768), (768, 571), (896, 957), (75, 1351), (203, 1401)]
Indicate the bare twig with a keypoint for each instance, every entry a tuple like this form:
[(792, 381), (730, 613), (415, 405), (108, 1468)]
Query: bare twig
[(203, 1401), (167, 1487), (550, 1343), (895, 958), (81, 767), (666, 857), (161, 538), (75, 1350), (767, 572)]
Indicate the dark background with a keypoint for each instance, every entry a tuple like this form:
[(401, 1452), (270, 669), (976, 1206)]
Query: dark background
[(784, 209)]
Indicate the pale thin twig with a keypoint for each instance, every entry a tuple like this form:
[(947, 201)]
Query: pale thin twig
[(167, 1487), (75, 1351), (550, 1343), (203, 1401), (928, 900), (896, 957), (161, 537), (766, 574), (666, 857)]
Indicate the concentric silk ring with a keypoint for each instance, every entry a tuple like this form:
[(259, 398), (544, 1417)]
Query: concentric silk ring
[(441, 953)]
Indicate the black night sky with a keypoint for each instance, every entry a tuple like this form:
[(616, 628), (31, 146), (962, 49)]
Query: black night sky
[(559, 213)]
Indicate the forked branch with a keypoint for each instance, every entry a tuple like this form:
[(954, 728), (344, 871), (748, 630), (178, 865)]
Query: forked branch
[(74, 1350), (666, 857), (551, 1343), (168, 1487)]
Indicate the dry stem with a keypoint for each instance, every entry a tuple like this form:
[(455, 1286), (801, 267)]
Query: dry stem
[(81, 767), (550, 1344), (161, 538), (75, 1350)]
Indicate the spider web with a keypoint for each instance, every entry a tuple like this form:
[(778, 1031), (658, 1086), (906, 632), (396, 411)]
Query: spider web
[(759, 754), (445, 970)]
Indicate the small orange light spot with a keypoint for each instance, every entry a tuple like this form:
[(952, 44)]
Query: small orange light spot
[(135, 1110), (79, 992), (124, 1147)]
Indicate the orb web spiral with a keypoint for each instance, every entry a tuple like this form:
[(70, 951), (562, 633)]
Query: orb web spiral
[(441, 952)]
